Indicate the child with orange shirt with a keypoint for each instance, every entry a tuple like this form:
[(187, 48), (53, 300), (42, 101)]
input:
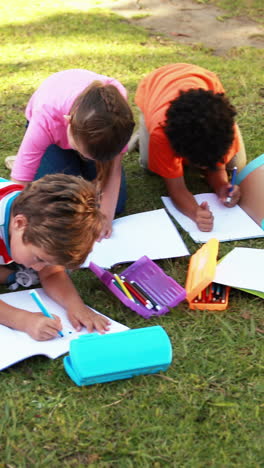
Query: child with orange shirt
[(186, 118)]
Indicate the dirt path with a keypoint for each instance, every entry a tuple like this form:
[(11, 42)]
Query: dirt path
[(188, 22)]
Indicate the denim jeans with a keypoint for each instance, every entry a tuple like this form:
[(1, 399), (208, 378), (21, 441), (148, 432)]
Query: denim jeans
[(57, 160)]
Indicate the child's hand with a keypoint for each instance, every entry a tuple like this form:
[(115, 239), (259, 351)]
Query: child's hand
[(83, 316), (106, 231), (42, 328), (204, 218), (227, 197)]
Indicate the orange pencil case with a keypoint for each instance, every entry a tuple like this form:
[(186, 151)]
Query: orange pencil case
[(201, 292)]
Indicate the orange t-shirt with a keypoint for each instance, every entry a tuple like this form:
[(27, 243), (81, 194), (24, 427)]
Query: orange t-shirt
[(153, 97)]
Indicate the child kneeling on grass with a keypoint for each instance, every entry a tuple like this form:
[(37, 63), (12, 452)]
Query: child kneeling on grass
[(50, 225), (78, 123)]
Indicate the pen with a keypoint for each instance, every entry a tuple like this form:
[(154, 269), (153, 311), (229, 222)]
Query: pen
[(42, 307), (229, 198)]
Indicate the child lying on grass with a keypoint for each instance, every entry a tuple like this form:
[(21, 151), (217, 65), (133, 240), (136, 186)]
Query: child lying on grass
[(50, 225)]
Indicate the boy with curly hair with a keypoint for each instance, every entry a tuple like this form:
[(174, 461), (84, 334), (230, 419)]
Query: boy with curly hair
[(187, 119), (50, 225)]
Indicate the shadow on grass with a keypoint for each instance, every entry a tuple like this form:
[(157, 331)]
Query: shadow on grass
[(70, 24), (97, 40)]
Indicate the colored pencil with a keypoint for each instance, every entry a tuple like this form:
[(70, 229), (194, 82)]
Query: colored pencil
[(223, 295), (138, 296), (145, 294), (125, 290)]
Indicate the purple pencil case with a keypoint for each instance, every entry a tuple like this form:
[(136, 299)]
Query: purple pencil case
[(164, 290)]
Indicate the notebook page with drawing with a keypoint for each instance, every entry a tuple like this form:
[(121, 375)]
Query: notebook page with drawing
[(16, 346), (151, 233), (229, 223)]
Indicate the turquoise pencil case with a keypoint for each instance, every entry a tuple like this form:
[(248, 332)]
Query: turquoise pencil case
[(95, 358)]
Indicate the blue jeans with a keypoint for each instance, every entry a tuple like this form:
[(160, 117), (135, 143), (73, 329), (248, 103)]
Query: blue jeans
[(57, 160)]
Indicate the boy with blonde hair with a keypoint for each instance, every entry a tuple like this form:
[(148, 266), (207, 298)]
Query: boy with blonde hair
[(50, 225)]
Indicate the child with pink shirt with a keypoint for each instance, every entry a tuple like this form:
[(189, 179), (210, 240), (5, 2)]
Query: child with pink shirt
[(79, 123)]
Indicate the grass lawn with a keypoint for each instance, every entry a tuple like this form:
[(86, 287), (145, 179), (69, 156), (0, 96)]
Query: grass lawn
[(252, 9), (208, 408)]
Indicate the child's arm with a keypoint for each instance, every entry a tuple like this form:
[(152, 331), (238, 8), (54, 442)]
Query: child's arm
[(219, 182), (36, 324), (36, 140), (60, 288), (186, 203), (110, 194)]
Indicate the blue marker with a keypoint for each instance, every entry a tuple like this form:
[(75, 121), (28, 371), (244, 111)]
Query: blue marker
[(229, 198), (42, 307)]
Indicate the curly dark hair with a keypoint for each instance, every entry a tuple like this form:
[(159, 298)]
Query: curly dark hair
[(200, 126)]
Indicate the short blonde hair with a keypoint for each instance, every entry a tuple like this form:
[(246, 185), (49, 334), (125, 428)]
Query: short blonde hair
[(63, 217)]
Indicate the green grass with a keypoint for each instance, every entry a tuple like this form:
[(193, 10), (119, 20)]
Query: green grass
[(208, 408), (253, 9)]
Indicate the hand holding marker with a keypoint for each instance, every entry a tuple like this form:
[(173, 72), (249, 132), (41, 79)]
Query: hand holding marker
[(230, 190), (42, 307)]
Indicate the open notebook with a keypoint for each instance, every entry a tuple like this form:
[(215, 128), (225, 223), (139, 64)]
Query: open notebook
[(150, 233), (16, 345), (242, 268), (229, 223)]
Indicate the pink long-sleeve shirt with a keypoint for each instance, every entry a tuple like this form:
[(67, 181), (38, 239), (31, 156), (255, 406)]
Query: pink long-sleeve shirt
[(45, 112)]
